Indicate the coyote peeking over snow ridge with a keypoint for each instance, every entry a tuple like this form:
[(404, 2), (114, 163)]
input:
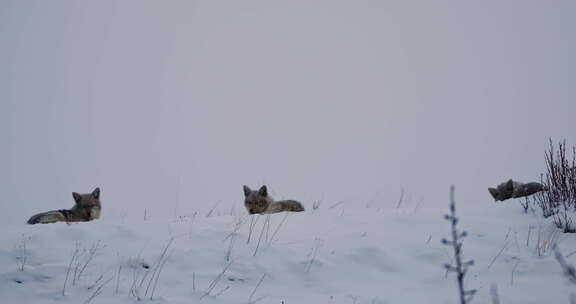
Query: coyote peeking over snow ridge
[(258, 201), (87, 208)]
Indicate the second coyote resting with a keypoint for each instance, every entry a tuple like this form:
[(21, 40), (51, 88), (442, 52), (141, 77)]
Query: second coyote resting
[(86, 208), (258, 201), (514, 189)]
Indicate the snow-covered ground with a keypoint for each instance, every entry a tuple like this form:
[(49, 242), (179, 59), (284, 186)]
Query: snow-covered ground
[(334, 254)]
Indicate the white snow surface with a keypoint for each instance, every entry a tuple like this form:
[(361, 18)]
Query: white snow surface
[(335, 254)]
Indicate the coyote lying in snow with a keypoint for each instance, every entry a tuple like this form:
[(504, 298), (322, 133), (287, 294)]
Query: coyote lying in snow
[(87, 208), (514, 189), (258, 201)]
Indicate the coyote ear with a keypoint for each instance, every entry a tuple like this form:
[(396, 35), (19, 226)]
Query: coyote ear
[(96, 193), (77, 197), (494, 192), (247, 191), (263, 191)]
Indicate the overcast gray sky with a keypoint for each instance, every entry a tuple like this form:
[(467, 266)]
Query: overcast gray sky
[(172, 106)]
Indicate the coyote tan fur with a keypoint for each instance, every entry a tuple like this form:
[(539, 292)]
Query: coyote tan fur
[(86, 208), (258, 201)]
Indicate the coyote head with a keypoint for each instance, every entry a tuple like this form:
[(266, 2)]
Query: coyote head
[(87, 205), (256, 201)]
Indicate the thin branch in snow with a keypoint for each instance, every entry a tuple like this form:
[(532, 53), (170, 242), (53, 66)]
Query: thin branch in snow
[(461, 267)]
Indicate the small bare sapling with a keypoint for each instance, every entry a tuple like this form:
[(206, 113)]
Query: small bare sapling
[(460, 267)]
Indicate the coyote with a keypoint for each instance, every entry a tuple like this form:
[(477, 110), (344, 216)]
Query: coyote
[(514, 189), (258, 201), (87, 208)]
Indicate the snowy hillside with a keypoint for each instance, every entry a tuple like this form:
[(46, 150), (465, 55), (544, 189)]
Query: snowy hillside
[(334, 254), (171, 106)]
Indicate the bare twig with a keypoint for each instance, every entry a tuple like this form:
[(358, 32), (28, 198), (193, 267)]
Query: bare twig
[(74, 256), (318, 243), (461, 268), (335, 205), (222, 291), (513, 271), (418, 205), (157, 277), (81, 267), (267, 227), (256, 288), (546, 242), (118, 279), (157, 268), (278, 228), (559, 199), (569, 270), (501, 249), (232, 235), (266, 223), (253, 222), (400, 199), (212, 210), (151, 275), (22, 256), (100, 277), (216, 280), (98, 291), (497, 255), (237, 225), (316, 205), (133, 288), (193, 281)]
